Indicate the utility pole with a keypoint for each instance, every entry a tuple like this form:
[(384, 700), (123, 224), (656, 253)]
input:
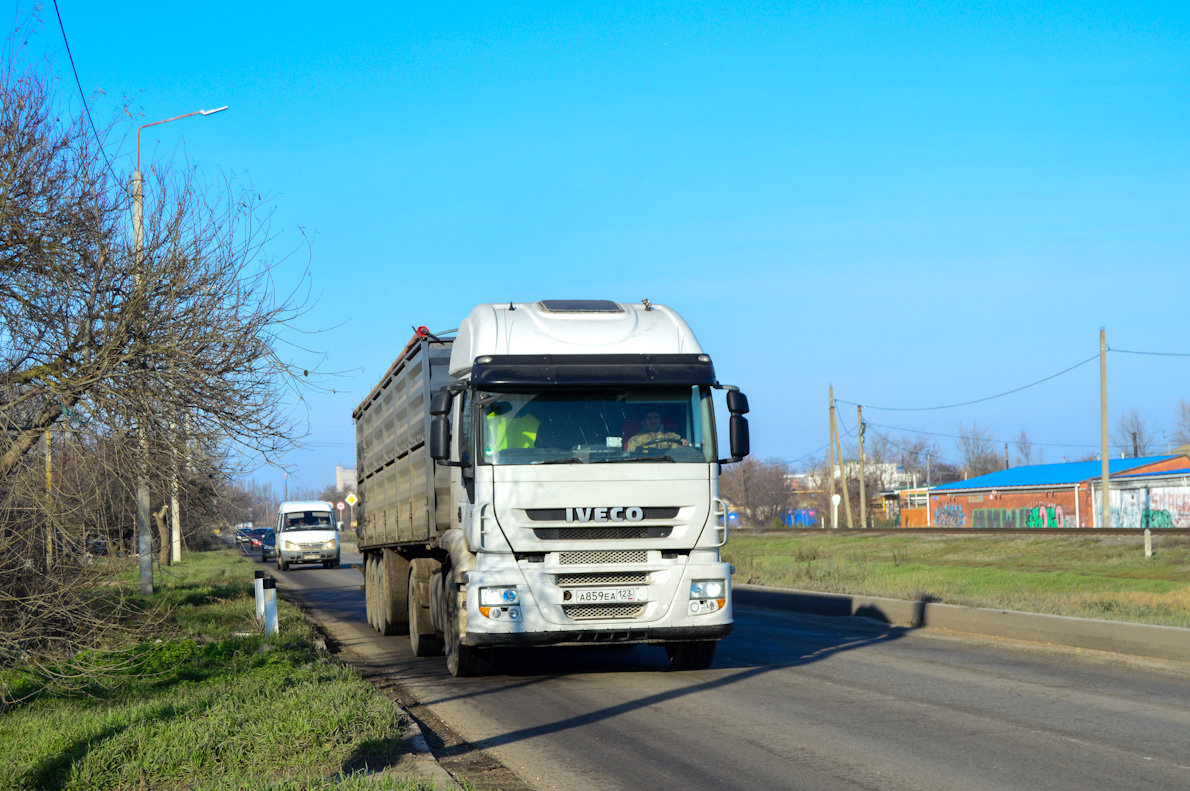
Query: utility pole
[(839, 459), (1006, 455), (49, 504), (1104, 485), (1135, 451), (175, 518), (830, 462), (144, 538), (863, 499)]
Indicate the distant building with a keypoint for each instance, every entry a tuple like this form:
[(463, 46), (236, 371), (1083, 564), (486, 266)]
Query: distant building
[(344, 479), (1145, 492)]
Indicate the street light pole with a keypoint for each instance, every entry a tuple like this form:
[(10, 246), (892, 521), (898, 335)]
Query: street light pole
[(144, 538)]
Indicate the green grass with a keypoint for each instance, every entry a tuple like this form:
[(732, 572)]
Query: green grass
[(1091, 577), (208, 704)]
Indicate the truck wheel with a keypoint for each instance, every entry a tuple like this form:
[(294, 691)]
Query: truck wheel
[(370, 588), (461, 660), (394, 593), (691, 656), (422, 644)]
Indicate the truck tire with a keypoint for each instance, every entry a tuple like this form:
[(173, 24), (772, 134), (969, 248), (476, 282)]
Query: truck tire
[(422, 644), (461, 660), (370, 588), (695, 655), (394, 593)]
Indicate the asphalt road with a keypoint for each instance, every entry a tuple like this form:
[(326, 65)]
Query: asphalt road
[(791, 702)]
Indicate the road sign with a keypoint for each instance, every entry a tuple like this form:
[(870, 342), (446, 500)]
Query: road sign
[(351, 498), (340, 505)]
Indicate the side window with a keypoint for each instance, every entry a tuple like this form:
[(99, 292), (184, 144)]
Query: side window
[(466, 428)]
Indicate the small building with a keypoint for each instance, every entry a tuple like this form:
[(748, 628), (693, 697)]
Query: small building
[(1053, 495)]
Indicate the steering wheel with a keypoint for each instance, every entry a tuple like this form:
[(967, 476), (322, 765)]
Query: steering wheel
[(660, 443)]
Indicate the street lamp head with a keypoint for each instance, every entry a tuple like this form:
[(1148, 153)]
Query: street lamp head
[(166, 121)]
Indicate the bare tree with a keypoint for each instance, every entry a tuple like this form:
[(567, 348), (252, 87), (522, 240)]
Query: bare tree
[(976, 450), (1133, 436), (1181, 429), (760, 489), (1024, 449), (158, 363)]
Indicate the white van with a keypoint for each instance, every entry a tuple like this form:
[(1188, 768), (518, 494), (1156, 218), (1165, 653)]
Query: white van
[(306, 533)]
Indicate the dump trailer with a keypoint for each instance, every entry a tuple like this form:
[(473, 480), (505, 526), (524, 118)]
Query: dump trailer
[(548, 474)]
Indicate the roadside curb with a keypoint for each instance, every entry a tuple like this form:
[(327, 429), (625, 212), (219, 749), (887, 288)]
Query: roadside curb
[(1134, 639)]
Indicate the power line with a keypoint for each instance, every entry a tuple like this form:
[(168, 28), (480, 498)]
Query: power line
[(977, 400), (1151, 354), (82, 96)]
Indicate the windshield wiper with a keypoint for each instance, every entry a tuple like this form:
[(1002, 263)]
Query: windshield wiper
[(571, 460), (631, 459)]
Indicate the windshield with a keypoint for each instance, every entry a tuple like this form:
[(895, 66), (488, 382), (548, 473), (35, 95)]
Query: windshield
[(595, 426), (307, 520)]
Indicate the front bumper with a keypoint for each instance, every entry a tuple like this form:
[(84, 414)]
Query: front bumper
[(309, 556)]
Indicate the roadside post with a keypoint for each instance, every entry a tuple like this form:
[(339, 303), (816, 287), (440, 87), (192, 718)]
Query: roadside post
[(270, 606), (260, 575)]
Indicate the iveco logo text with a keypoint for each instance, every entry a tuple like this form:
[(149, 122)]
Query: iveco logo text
[(617, 514)]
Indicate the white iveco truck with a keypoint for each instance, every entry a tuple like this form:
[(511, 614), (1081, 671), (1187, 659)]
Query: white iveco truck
[(548, 475)]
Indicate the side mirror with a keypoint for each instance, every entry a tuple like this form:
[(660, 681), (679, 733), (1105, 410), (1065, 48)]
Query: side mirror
[(440, 432), (440, 403), (739, 434), (737, 404)]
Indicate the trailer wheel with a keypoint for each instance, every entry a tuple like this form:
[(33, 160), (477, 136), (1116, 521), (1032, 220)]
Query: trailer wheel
[(696, 655), (370, 588), (421, 643), (461, 660), (394, 608)]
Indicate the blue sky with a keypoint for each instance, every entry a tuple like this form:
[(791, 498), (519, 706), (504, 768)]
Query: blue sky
[(919, 203)]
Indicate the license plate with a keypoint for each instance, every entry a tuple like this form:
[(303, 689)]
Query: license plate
[(311, 556), (610, 595)]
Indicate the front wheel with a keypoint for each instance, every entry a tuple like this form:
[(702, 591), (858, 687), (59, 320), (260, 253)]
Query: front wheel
[(461, 660), (282, 563), (691, 656)]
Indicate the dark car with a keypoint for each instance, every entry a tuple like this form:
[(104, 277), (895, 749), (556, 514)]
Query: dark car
[(268, 545), (253, 536)]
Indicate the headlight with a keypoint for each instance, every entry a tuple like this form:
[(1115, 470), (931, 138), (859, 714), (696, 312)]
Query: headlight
[(707, 589), (497, 597), (290, 546), (330, 544)]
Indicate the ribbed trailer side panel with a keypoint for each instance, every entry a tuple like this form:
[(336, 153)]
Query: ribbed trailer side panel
[(404, 494)]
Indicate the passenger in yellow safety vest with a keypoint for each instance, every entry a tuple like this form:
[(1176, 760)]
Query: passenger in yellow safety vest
[(503, 433)]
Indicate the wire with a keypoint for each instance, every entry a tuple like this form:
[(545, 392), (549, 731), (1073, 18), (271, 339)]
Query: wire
[(1151, 354), (977, 400), (82, 95)]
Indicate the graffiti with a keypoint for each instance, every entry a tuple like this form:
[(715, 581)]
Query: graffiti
[(1037, 516), (949, 516), (1151, 505)]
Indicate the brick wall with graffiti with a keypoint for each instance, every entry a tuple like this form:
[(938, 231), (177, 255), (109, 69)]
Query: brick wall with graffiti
[(1017, 509), (1150, 504)]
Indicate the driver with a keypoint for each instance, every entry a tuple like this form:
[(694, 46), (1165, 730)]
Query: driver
[(653, 435)]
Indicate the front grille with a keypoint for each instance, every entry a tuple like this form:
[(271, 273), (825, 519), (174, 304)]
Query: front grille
[(580, 557), (559, 514), (310, 546), (580, 612), (606, 578), (600, 533)]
